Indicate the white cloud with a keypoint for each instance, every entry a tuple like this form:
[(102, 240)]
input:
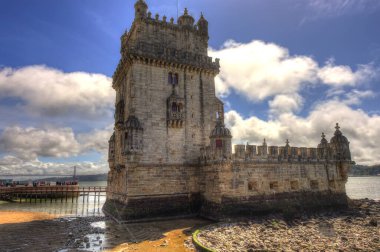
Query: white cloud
[(344, 76), (258, 70), (360, 128), (30, 143), (14, 165), (97, 140), (285, 104), (50, 92), (354, 97)]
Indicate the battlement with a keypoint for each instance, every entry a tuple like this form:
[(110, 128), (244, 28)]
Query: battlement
[(336, 150), (156, 41)]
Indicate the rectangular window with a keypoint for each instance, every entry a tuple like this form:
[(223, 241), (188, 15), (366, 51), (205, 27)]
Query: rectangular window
[(294, 185), (252, 186), (219, 143), (314, 184), (273, 185)]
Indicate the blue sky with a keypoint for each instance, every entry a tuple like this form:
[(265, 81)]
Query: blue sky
[(301, 66)]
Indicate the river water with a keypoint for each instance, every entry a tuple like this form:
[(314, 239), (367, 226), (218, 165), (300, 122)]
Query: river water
[(356, 187)]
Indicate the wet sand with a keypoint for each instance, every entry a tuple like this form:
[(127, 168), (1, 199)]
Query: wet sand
[(32, 231), (8, 217)]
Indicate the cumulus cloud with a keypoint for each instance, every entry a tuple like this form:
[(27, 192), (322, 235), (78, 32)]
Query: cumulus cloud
[(50, 92), (287, 103), (97, 140), (13, 165), (259, 70), (360, 128), (343, 75), (30, 143)]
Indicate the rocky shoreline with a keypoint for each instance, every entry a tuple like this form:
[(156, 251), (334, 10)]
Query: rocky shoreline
[(353, 229)]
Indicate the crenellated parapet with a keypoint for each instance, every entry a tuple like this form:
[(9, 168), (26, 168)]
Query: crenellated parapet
[(335, 150)]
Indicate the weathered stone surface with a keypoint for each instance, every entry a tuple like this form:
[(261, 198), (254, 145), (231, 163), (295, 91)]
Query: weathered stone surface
[(171, 153)]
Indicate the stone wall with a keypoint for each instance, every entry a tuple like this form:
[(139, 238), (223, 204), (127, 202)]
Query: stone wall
[(233, 187), (225, 188)]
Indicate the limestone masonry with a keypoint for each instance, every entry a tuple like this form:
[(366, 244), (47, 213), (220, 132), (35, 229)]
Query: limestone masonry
[(171, 153)]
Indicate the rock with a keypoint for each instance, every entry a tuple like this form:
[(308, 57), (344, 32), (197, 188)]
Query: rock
[(86, 239), (373, 222)]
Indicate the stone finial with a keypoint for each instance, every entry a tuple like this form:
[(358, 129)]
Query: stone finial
[(186, 12), (337, 129), (337, 126), (287, 142), (149, 14), (164, 19), (172, 20), (264, 142), (323, 135), (157, 16)]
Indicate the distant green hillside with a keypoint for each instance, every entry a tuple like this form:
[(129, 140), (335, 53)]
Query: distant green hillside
[(363, 170)]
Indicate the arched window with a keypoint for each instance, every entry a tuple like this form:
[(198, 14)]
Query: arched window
[(174, 107), (175, 79), (170, 78)]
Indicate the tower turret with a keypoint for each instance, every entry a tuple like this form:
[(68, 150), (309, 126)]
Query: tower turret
[(323, 148), (340, 147), (220, 140), (141, 9), (186, 20), (202, 25)]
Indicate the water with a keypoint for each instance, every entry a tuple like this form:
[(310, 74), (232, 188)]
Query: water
[(363, 187), (80, 207), (356, 187)]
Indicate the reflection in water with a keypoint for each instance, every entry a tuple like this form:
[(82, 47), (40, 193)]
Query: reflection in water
[(81, 206)]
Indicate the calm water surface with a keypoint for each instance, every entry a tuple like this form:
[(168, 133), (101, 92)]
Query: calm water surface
[(356, 187), (363, 187), (81, 207)]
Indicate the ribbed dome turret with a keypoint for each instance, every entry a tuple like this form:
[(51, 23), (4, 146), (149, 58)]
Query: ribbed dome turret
[(202, 25), (133, 123), (186, 19), (220, 130), (141, 9), (323, 143), (340, 145), (338, 137)]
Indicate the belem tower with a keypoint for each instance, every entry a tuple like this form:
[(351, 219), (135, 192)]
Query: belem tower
[(171, 154)]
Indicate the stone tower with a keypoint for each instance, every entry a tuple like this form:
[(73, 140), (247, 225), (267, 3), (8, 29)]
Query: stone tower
[(164, 84), (165, 106)]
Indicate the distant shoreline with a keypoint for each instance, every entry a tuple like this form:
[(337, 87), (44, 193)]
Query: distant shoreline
[(353, 176)]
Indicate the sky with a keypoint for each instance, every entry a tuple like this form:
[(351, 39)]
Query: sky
[(290, 69)]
